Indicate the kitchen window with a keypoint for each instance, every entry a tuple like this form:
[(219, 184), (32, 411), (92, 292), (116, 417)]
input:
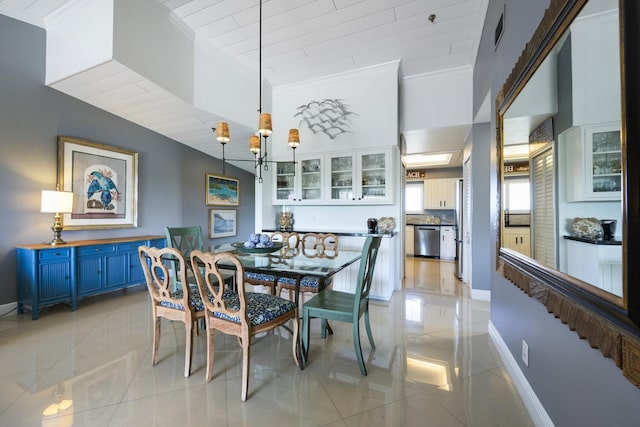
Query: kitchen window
[(414, 197), (517, 194)]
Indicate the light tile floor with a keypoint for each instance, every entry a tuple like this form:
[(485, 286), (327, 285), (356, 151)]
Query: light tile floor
[(434, 365)]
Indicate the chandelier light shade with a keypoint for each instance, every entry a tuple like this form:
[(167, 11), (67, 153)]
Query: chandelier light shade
[(57, 202), (264, 125), (222, 132), (294, 138), (254, 144)]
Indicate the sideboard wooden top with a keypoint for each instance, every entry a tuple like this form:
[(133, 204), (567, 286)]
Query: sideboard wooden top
[(91, 242)]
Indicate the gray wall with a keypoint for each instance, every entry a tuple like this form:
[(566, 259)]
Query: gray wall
[(576, 384), (171, 176), (482, 207)]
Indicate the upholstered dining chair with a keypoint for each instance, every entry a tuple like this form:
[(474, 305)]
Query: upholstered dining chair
[(270, 281), (346, 307), (312, 245), (243, 314), (186, 240), (170, 298)]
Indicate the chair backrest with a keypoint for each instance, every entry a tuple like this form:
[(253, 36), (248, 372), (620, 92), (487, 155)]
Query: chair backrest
[(319, 245), (185, 239), (208, 276), (160, 267), (365, 273), (292, 240)]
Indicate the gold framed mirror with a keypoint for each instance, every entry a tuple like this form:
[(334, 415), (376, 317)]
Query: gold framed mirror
[(568, 204)]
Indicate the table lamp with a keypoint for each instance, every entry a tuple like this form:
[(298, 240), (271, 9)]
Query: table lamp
[(57, 202)]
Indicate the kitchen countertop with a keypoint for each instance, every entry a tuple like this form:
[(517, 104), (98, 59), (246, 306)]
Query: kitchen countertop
[(443, 224), (350, 233), (612, 242)]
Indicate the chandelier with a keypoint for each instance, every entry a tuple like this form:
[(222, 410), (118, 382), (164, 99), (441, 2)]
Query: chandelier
[(258, 142)]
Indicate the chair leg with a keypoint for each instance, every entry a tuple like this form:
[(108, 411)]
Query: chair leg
[(358, 348), (368, 326), (188, 325), (296, 338), (210, 353), (245, 367), (156, 340), (305, 335)]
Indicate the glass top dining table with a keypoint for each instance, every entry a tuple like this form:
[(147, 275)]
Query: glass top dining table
[(293, 263)]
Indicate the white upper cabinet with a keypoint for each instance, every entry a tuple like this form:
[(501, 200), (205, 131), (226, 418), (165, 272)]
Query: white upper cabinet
[(440, 193), (300, 182), (594, 163), (360, 177)]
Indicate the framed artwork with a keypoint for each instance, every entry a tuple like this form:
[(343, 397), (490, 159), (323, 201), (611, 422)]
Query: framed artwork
[(222, 190), (222, 223), (104, 181)]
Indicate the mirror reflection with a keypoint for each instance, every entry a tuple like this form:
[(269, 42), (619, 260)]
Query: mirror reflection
[(562, 155)]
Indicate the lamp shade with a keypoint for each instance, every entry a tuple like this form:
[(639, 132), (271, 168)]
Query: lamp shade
[(264, 125), (254, 144), (294, 138), (222, 132), (56, 201)]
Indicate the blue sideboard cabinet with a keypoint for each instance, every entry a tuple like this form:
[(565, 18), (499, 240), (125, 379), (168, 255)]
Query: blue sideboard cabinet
[(50, 275)]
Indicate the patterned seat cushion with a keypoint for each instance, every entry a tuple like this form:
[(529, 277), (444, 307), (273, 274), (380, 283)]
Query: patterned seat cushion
[(306, 281), (259, 276), (261, 308), (196, 301)]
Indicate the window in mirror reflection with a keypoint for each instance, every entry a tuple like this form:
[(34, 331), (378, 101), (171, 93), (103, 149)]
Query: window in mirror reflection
[(517, 195)]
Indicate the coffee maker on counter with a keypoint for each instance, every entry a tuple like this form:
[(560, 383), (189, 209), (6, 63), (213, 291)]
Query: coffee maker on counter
[(608, 228)]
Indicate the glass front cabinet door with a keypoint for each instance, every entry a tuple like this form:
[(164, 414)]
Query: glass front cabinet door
[(593, 162), (342, 178), (374, 176), (300, 182)]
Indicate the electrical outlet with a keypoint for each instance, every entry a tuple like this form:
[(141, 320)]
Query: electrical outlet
[(525, 353)]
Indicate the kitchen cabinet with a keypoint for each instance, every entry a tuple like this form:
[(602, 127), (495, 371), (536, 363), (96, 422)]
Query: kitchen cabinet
[(408, 240), (447, 242), (518, 239), (300, 182), (604, 268), (361, 177), (594, 163), (440, 193), (49, 275)]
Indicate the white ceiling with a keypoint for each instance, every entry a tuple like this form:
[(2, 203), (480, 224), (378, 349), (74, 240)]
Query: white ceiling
[(302, 40)]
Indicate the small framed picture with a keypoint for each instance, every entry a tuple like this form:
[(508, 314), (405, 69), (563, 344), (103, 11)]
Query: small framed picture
[(222, 223), (222, 190)]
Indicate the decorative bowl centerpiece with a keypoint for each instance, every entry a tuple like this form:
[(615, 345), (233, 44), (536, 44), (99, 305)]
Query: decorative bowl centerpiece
[(586, 228), (258, 244)]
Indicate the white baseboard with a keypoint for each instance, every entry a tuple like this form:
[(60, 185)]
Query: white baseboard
[(7, 308), (536, 411), (480, 295)]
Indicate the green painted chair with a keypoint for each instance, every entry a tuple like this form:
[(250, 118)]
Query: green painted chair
[(345, 307), (187, 240)]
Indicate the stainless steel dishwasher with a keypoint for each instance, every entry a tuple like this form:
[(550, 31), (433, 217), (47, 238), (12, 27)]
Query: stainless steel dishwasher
[(427, 241)]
